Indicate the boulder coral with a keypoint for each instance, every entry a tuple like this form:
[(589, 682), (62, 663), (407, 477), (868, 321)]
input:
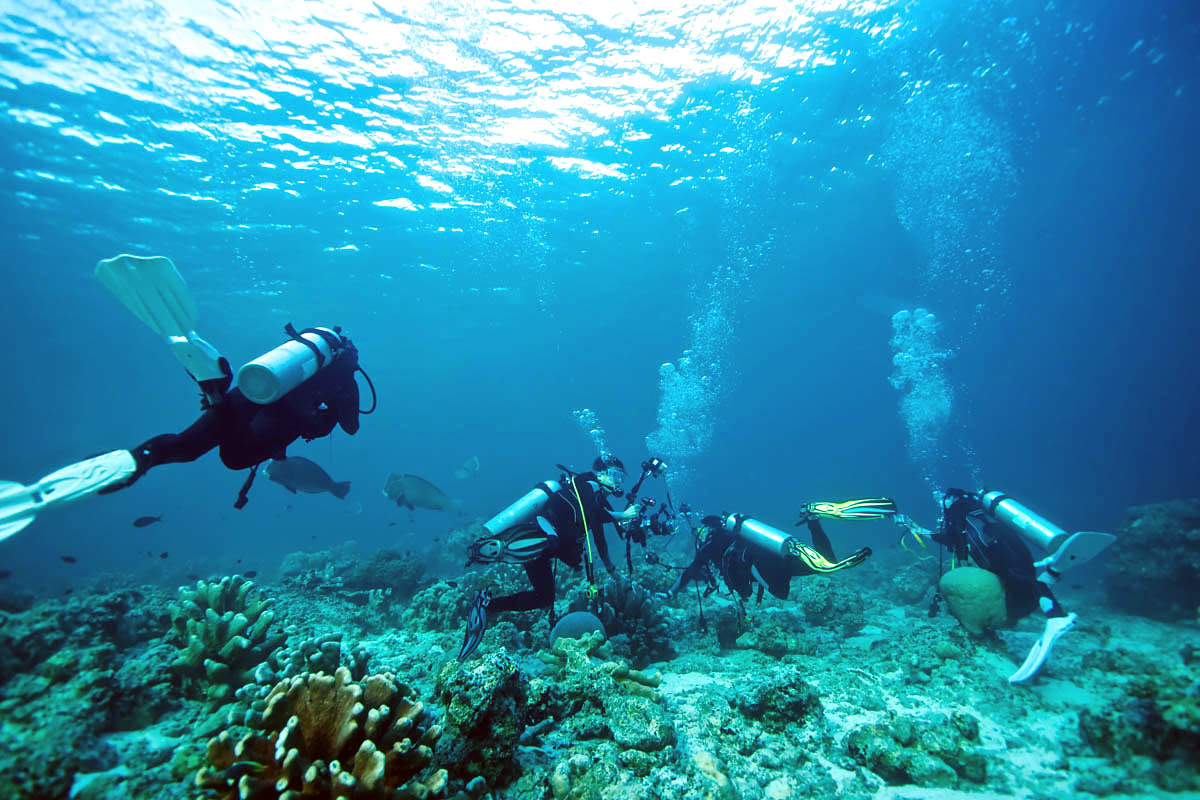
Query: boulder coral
[(632, 619)]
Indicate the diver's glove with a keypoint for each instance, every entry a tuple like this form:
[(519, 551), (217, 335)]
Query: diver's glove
[(910, 528), (1055, 627)]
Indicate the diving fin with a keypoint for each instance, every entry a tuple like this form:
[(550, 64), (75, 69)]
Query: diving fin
[(819, 563), (1078, 549), (476, 623), (518, 545), (1055, 627), (152, 288), (869, 508), (20, 504)]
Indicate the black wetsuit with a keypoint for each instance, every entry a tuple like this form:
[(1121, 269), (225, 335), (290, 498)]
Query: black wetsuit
[(970, 533), (249, 433), (563, 512), (744, 566)]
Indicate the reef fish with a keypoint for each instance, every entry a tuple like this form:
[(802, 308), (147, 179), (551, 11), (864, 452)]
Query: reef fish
[(412, 492), (469, 469), (299, 474), (142, 522)]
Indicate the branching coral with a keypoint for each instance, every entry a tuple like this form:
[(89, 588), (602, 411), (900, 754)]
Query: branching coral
[(327, 736), (224, 633), (321, 654)]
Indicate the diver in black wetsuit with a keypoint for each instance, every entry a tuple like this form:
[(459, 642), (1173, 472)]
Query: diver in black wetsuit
[(569, 528), (249, 433), (745, 566), (969, 533)]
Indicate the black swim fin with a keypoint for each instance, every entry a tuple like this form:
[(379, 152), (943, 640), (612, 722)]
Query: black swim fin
[(476, 624)]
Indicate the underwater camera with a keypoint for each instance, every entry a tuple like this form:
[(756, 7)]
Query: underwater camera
[(654, 466)]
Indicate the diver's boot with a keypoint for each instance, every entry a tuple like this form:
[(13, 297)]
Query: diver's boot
[(476, 624)]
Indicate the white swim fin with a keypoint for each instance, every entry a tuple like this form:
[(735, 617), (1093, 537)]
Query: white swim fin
[(152, 288), (1055, 627), (20, 504), (1077, 550)]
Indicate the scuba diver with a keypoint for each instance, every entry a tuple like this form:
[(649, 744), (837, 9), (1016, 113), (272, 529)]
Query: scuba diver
[(994, 531), (301, 389), (750, 555), (556, 520)]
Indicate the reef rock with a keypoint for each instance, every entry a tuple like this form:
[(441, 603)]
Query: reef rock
[(1154, 569), (484, 701)]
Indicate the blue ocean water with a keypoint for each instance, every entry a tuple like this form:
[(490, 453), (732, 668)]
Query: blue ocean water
[(519, 211)]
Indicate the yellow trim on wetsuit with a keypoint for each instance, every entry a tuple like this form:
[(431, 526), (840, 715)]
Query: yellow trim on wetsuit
[(587, 535)]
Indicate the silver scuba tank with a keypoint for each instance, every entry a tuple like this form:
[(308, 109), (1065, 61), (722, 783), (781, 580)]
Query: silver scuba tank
[(276, 372), (524, 509), (1032, 527), (759, 534)]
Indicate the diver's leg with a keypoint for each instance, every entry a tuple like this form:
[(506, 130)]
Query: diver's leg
[(820, 540), (540, 596), (174, 448)]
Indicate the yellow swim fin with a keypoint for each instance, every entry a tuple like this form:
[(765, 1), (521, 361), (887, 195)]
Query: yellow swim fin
[(868, 508), (818, 563)]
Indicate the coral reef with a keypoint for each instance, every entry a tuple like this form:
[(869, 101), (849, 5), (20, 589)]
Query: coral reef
[(933, 753), (632, 619), (827, 601), (224, 633), (778, 699), (320, 654), (70, 673), (485, 708), (1158, 717), (776, 632), (387, 569), (329, 736), (440, 607), (1155, 565), (591, 694)]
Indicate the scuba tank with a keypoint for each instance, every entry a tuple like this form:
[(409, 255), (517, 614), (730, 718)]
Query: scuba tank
[(1033, 528), (277, 372), (759, 534), (524, 509)]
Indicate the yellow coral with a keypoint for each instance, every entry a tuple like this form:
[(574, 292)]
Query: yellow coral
[(327, 736)]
